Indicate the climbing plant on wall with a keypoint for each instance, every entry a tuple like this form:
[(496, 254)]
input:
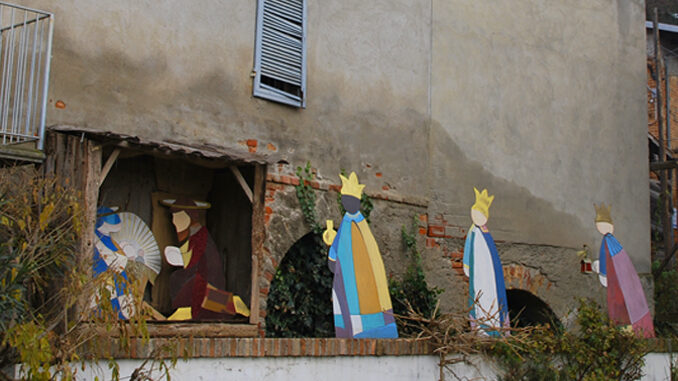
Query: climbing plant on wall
[(299, 303), (413, 290)]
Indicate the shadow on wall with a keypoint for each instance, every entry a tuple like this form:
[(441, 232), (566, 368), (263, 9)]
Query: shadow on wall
[(527, 310)]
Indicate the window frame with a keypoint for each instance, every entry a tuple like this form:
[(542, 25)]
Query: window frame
[(262, 90)]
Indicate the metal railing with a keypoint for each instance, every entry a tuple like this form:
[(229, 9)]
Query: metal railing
[(25, 54)]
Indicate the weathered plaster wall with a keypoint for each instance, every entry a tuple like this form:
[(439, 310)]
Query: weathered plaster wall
[(168, 70), (543, 104)]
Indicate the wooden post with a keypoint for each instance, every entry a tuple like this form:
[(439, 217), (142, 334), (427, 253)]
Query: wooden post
[(666, 217), (77, 163), (258, 236)]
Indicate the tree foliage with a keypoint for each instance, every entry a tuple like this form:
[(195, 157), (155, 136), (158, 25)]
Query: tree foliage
[(50, 305), (599, 350)]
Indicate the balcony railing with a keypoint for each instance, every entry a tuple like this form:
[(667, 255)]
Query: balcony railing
[(25, 53)]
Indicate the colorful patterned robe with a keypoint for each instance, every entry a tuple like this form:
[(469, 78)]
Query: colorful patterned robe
[(486, 281), (105, 251), (361, 302), (626, 303)]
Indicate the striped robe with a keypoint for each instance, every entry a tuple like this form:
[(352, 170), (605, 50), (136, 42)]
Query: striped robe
[(360, 298)]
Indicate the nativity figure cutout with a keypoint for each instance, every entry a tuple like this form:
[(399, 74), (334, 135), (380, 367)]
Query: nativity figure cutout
[(125, 248), (198, 288), (360, 297), (482, 265), (626, 303)]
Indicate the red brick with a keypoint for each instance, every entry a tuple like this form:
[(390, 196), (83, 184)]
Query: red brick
[(268, 210), (335, 187), (432, 243), (271, 147), (252, 143), (422, 231), (457, 265), (264, 291), (423, 218), (378, 174), (437, 231), (457, 255), (268, 275), (385, 187)]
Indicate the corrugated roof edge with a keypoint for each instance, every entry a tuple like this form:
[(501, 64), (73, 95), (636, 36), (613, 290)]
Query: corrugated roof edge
[(203, 150)]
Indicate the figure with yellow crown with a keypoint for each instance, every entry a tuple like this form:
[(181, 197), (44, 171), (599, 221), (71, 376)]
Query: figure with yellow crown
[(626, 303), (487, 292), (360, 298)]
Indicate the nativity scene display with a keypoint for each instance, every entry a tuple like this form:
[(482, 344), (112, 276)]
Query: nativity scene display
[(360, 296), (126, 251)]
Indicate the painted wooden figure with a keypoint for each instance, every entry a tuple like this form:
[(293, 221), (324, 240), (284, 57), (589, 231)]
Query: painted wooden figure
[(487, 292), (360, 298), (626, 303), (198, 289)]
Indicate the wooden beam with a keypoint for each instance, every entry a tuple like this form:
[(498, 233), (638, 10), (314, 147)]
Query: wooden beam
[(663, 165), (241, 180), (258, 237), (109, 164)]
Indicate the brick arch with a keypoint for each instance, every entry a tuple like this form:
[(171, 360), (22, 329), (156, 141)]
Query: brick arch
[(285, 225), (526, 278)]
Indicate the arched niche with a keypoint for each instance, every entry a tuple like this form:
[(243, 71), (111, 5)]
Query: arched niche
[(528, 310), (299, 301)]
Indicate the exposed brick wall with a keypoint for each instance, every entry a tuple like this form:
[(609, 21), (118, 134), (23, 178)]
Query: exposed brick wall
[(202, 347), (444, 236), (653, 127)]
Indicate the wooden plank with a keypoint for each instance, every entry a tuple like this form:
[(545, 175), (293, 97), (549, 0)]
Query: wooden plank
[(88, 174), (663, 165), (182, 330), (109, 164), (243, 183), (258, 236)]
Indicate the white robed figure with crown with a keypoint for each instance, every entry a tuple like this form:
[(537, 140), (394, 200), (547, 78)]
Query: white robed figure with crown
[(487, 292)]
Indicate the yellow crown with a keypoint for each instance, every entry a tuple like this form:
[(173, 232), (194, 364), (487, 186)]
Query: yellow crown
[(350, 186), (603, 213), (483, 202)]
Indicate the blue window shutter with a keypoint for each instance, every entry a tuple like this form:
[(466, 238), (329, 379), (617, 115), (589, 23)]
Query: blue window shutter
[(280, 51)]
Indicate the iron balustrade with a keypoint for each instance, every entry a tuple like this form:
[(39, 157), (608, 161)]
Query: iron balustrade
[(25, 54)]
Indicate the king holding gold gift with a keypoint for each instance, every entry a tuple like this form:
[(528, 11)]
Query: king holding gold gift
[(360, 298)]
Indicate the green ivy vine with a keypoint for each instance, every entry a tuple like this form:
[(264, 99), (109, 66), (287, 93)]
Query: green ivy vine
[(412, 290)]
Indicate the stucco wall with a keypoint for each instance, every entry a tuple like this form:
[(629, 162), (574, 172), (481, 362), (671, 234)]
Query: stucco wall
[(541, 103), (552, 117)]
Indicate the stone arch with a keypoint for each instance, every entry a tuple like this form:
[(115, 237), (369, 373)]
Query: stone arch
[(530, 293)]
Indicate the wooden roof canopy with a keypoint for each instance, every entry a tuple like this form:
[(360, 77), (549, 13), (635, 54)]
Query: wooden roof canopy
[(205, 154)]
